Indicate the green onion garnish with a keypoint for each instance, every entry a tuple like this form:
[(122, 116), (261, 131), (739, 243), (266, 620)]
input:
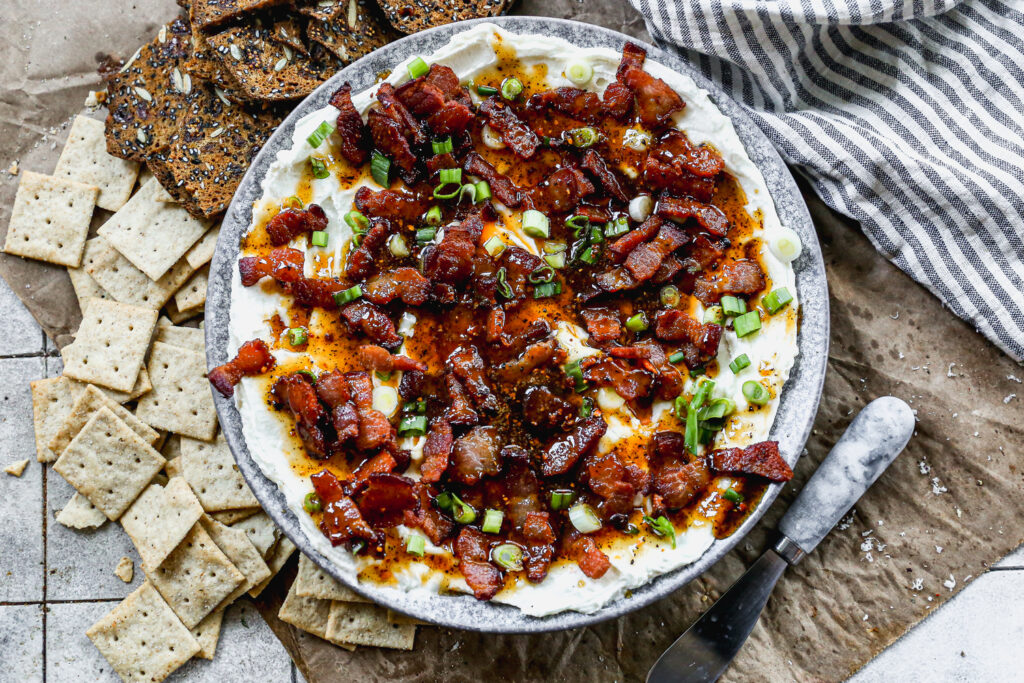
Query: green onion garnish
[(776, 300), (586, 408), (739, 362), (577, 224), (596, 235), (589, 255), (579, 73), (677, 357), (494, 246), (467, 190), (511, 88), (547, 289), (450, 175), (312, 503), (662, 527), (483, 191), (463, 512), (318, 238), (582, 137), (357, 221), (397, 246), (716, 410), (732, 495), (383, 376), (692, 434), (714, 314), (504, 288), (637, 323), (486, 90), (733, 306), (320, 134), (447, 190), (700, 397), (319, 168), (417, 406), (297, 336), (418, 67), (445, 501), (755, 393), (442, 146), (380, 169), (425, 235), (292, 202), (433, 216), (413, 425), (748, 323), (416, 545), (575, 373), (584, 518), (508, 556), (346, 295), (492, 521), (555, 260), (669, 296), (542, 274), (561, 499), (536, 224), (614, 228)]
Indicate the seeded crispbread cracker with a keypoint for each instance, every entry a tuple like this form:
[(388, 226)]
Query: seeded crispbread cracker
[(210, 470), (118, 277), (207, 632), (52, 400), (307, 614), (243, 554), (433, 13), (277, 560), (79, 513), (125, 569), (358, 624), (85, 287), (108, 463), (205, 67), (196, 577), (143, 101), (201, 252), (142, 638), (50, 219), (110, 345), (349, 41), (193, 293), (142, 386), (90, 401), (181, 401), (84, 159), (313, 582), (189, 338), (159, 520), (152, 235), (209, 13), (324, 10), (231, 517)]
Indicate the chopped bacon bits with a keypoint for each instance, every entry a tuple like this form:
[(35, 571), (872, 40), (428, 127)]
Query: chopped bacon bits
[(296, 394), (284, 265), (516, 134), (735, 277), (375, 431), (760, 459), (380, 359), (290, 223), (253, 358), (675, 325), (644, 261), (371, 321), (401, 283), (680, 209), (583, 549), (437, 451), (603, 325), (566, 451), (352, 133), (472, 547), (655, 100), (393, 205), (503, 189), (384, 498), (476, 455)]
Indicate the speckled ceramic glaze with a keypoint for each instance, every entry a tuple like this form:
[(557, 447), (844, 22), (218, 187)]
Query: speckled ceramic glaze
[(799, 401)]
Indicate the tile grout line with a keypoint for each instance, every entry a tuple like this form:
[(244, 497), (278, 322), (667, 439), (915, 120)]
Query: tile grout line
[(46, 568), (68, 601)]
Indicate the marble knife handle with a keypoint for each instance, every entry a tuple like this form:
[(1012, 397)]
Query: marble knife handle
[(871, 442)]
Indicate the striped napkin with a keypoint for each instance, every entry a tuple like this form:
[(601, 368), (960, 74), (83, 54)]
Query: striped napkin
[(904, 114)]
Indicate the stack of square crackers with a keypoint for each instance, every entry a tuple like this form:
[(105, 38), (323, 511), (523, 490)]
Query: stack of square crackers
[(131, 424)]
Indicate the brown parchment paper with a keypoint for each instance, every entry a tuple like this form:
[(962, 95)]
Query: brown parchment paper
[(958, 486)]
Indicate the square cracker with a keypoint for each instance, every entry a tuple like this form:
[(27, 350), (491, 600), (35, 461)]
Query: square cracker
[(110, 345), (178, 317), (85, 287), (278, 558), (262, 532), (52, 400), (181, 401), (242, 553), (50, 219), (231, 517), (152, 235), (193, 293), (367, 625), (201, 252), (119, 278), (191, 338), (142, 638), (196, 577), (159, 520), (307, 614), (207, 632), (108, 463), (84, 159), (210, 470), (79, 513), (142, 386), (88, 402), (313, 582)]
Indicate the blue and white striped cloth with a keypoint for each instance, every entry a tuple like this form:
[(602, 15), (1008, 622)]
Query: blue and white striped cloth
[(907, 115)]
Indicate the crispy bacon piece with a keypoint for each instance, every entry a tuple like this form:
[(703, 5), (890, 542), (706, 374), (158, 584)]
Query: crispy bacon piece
[(535, 356), (575, 103), (327, 486), (539, 538), (516, 134), (566, 450), (437, 451), (608, 478), (439, 161), (433, 96), (475, 455), (653, 357), (297, 394), (411, 385), (342, 522), (311, 292), (518, 264), (655, 100), (705, 253), (593, 162), (290, 223), (382, 463), (455, 117), (384, 498), (603, 324), (585, 553), (284, 265), (397, 111), (445, 78), (460, 409), (761, 459), (393, 205), (683, 169), (544, 411), (708, 216), (735, 277), (644, 261), (362, 260), (617, 100), (404, 283), (622, 247), (375, 431), (615, 280), (391, 141), (451, 261), (354, 141), (561, 191), (472, 549), (420, 97), (377, 358), (332, 389), (676, 325), (427, 518), (468, 367), (669, 268), (675, 480), (629, 383), (365, 317), (496, 326), (253, 358), (503, 189)]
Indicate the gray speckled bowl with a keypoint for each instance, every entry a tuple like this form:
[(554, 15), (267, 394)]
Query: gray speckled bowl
[(799, 400)]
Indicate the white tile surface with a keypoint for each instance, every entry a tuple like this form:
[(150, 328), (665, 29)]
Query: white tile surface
[(70, 656), (21, 643), (19, 333)]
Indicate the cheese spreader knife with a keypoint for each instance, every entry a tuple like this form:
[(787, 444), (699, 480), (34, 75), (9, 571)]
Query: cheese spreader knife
[(871, 442)]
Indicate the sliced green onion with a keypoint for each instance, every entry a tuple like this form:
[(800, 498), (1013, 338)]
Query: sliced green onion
[(467, 190), (739, 362), (692, 434), (679, 407), (312, 503), (542, 274), (579, 72), (669, 296), (508, 556), (577, 224), (318, 238), (589, 255), (292, 202), (319, 168), (536, 224), (442, 146), (425, 235), (418, 67), (776, 300), (596, 235), (716, 410), (417, 406), (700, 397), (397, 246), (320, 134), (637, 323), (447, 190), (433, 216), (755, 393), (492, 521), (554, 247), (494, 246), (357, 221), (413, 425), (450, 175), (662, 526), (586, 408), (575, 373), (732, 495), (616, 227), (445, 501), (383, 377), (677, 357), (380, 169), (464, 513), (555, 260), (561, 499), (547, 289), (714, 314), (504, 288), (584, 518), (309, 373), (486, 90), (631, 529), (483, 191), (297, 336), (511, 88), (416, 545), (582, 137), (733, 306), (346, 295), (748, 323)]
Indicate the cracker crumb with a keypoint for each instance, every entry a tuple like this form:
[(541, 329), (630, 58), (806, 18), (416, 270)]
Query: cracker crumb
[(937, 487), (950, 583), (125, 569), (1009, 398), (16, 468)]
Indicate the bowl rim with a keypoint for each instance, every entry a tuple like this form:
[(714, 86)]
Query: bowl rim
[(799, 398)]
